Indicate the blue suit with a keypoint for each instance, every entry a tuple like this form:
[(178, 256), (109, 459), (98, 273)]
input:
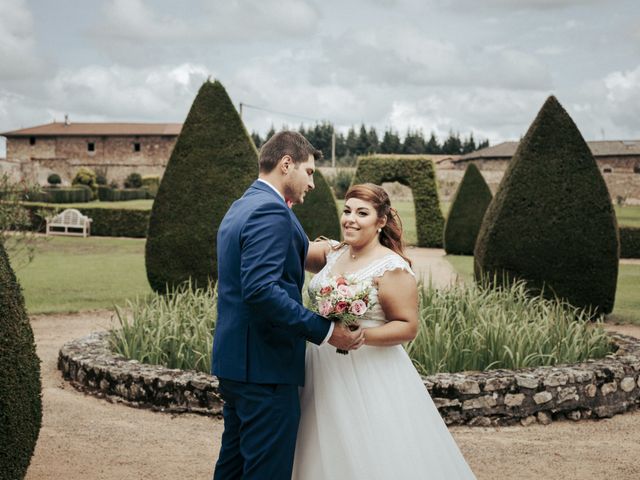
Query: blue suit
[(261, 330)]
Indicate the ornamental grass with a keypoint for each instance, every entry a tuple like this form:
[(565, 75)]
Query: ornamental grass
[(470, 327), (174, 330)]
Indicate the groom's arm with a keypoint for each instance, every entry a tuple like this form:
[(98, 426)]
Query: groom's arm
[(264, 242)]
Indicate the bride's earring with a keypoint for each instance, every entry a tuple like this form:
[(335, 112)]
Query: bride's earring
[(379, 230)]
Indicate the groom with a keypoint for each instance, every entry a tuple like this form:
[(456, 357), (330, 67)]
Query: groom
[(262, 327)]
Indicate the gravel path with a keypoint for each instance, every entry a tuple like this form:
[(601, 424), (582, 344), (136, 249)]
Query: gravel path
[(83, 437)]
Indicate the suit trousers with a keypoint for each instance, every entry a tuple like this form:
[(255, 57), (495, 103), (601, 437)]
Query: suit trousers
[(260, 429)]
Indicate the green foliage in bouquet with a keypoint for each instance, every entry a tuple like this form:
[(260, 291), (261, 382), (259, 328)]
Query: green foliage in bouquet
[(213, 162), (468, 207), (318, 214), (418, 174), (551, 222), (20, 401)]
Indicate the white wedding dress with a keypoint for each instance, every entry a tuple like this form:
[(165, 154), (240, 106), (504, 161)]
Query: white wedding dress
[(367, 415)]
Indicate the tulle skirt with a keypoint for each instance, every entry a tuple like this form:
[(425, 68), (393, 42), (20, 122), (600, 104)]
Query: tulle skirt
[(367, 415)]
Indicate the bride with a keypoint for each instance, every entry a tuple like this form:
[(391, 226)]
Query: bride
[(367, 415)]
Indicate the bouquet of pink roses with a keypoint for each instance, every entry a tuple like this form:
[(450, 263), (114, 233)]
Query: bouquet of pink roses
[(344, 299)]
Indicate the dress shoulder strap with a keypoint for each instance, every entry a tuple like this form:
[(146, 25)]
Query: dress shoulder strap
[(392, 261)]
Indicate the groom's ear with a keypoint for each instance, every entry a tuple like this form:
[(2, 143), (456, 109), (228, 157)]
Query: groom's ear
[(285, 164)]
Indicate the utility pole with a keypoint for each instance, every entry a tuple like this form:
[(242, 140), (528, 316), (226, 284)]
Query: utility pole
[(333, 148), (241, 110)]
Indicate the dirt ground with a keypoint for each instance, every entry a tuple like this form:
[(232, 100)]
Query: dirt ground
[(85, 438)]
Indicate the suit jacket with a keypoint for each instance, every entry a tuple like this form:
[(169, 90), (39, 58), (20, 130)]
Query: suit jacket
[(262, 326)]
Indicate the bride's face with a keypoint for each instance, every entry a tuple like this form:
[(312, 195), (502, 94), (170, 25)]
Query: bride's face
[(359, 222)]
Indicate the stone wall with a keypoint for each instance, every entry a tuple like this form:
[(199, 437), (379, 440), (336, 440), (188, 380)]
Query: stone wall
[(112, 156), (591, 389)]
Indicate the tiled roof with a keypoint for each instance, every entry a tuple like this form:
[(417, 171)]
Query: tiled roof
[(57, 129), (603, 148)]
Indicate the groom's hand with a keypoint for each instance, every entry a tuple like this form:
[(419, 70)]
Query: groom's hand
[(345, 339)]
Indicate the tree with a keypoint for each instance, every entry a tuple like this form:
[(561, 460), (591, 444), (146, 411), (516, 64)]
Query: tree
[(20, 400), (372, 139), (414, 143), (390, 142), (551, 222), (318, 213), (352, 142), (213, 162), (257, 140), (433, 146), (468, 207), (452, 145), (469, 144)]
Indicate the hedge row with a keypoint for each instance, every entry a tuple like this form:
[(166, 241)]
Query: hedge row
[(629, 242), (419, 175), (108, 194), (107, 222), (77, 194)]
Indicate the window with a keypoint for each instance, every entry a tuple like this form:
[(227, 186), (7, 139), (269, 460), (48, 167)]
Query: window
[(91, 147), (607, 169), (136, 147), (32, 140)]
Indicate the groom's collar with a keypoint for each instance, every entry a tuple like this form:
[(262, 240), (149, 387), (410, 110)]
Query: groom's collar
[(272, 187)]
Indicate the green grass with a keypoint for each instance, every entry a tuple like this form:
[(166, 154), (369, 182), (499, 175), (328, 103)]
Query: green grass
[(128, 204), (72, 274), (627, 304), (628, 215)]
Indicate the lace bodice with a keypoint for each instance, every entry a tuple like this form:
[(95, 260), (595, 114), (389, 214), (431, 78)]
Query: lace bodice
[(375, 269)]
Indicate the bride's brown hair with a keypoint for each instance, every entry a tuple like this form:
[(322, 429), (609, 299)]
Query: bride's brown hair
[(391, 233)]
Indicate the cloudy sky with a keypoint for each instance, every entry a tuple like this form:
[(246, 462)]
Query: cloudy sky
[(439, 65)]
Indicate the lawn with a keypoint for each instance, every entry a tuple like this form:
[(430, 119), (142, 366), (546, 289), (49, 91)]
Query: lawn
[(71, 274), (128, 204), (627, 304)]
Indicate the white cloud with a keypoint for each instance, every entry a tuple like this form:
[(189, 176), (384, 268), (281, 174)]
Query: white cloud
[(17, 41), (160, 94)]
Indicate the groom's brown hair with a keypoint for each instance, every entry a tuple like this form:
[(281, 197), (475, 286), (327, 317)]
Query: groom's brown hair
[(286, 143)]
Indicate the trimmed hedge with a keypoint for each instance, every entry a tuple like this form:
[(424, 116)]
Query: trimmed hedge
[(107, 222), (629, 242), (318, 214), (20, 400), (77, 194), (551, 222), (213, 162), (151, 184), (418, 174), (469, 204), (107, 194)]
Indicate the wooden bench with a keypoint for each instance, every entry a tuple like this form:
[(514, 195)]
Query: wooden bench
[(69, 222)]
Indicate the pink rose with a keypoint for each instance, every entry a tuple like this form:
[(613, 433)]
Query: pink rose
[(326, 290), (358, 307), (341, 281), (341, 307), (344, 290), (324, 307)]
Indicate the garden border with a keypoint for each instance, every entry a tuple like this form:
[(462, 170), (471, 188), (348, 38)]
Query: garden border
[(592, 389)]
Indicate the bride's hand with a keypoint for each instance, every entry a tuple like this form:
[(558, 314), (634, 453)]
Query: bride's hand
[(344, 339)]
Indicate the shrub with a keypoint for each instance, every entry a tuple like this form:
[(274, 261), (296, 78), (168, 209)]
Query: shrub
[(174, 329), (151, 184), (629, 242), (341, 182), (76, 194), (20, 401), (418, 174), (133, 180), (551, 222), (54, 179), (86, 176), (469, 327), (318, 213), (101, 179), (465, 215), (114, 184), (213, 162)]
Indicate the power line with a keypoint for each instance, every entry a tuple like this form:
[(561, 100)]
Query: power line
[(245, 105)]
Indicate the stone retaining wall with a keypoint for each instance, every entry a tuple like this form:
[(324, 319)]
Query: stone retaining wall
[(592, 389)]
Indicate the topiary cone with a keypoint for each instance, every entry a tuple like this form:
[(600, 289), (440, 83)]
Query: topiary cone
[(318, 214), (20, 401), (551, 222), (213, 162), (468, 207)]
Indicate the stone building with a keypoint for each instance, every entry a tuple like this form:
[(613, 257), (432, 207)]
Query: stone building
[(111, 149)]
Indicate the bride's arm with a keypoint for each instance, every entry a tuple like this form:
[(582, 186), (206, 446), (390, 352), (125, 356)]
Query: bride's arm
[(317, 255), (398, 297)]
